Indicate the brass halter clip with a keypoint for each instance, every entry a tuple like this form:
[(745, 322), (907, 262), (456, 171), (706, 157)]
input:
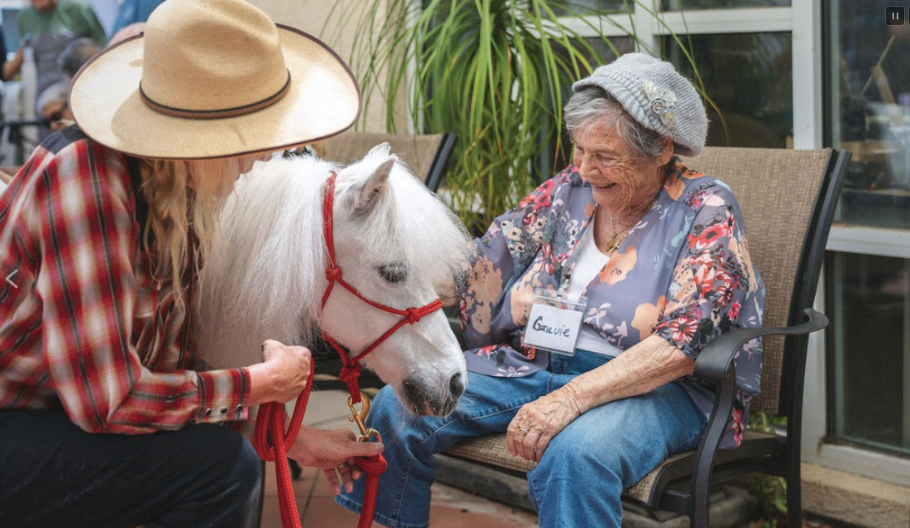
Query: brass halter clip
[(358, 417)]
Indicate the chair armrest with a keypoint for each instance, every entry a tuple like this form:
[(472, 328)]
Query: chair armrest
[(715, 360), (715, 364)]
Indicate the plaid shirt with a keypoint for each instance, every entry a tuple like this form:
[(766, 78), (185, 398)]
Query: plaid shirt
[(86, 326)]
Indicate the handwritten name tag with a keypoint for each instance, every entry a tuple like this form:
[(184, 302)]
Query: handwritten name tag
[(554, 324)]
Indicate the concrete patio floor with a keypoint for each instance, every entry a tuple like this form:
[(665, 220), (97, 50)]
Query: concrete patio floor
[(450, 507)]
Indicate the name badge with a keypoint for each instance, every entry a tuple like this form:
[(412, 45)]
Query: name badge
[(554, 322)]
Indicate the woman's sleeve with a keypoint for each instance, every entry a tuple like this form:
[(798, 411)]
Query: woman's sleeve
[(715, 286), (500, 256), (88, 290)]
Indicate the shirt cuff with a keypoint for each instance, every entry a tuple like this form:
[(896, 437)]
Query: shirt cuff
[(224, 395)]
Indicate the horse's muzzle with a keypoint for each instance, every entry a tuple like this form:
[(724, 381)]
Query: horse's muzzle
[(423, 400)]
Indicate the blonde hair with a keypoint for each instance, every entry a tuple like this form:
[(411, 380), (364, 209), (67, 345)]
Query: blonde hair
[(185, 222)]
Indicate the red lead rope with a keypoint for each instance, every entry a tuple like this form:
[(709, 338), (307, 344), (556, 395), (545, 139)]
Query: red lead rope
[(270, 426), (270, 422)]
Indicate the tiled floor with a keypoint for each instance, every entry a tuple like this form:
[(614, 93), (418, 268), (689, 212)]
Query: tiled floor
[(450, 507)]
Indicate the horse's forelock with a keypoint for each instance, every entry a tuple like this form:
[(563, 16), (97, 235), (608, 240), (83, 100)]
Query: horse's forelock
[(436, 240), (409, 222)]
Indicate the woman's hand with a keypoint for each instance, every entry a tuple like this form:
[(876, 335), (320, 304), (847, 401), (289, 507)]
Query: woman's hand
[(281, 376), (333, 450), (539, 421)]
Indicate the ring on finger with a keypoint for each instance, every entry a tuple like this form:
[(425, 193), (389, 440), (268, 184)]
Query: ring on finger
[(342, 466), (522, 431)]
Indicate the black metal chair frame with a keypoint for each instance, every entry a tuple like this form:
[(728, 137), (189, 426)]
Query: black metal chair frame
[(775, 455), (441, 161)]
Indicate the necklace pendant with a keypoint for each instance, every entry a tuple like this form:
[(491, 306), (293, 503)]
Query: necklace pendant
[(612, 244)]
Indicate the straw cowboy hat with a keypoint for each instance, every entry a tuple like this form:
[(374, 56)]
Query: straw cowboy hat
[(210, 79)]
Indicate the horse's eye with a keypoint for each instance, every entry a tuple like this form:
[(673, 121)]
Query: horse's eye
[(394, 273)]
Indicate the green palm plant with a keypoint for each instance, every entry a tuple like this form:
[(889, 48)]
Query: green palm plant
[(495, 72)]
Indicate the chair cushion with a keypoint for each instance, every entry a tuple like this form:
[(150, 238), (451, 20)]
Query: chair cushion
[(492, 450)]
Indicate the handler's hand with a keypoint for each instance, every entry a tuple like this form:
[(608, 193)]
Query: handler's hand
[(537, 422), (281, 376), (333, 450)]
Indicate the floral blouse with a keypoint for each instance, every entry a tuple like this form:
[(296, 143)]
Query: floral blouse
[(683, 273)]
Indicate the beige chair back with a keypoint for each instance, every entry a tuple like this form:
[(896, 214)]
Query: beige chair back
[(777, 190), (418, 152)]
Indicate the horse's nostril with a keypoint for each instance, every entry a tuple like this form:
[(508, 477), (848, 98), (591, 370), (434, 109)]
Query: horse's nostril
[(456, 385)]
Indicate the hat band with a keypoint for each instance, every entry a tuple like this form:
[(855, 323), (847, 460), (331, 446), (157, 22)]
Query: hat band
[(217, 113)]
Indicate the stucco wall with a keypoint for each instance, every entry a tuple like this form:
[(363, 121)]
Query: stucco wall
[(317, 18)]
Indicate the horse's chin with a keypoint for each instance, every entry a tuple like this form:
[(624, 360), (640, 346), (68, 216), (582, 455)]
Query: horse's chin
[(418, 400), (417, 409)]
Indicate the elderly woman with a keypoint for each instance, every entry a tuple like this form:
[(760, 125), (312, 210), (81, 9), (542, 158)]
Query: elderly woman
[(655, 258)]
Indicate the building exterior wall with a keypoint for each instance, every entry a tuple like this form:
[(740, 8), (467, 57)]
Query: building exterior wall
[(322, 20)]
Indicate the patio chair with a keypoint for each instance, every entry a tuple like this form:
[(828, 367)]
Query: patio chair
[(426, 155), (788, 199)]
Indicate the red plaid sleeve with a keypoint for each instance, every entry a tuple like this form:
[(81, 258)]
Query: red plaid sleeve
[(88, 291)]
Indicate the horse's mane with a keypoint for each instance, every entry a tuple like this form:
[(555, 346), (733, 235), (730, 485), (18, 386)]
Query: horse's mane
[(266, 279)]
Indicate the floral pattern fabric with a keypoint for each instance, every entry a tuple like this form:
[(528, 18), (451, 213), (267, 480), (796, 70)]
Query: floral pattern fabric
[(683, 273)]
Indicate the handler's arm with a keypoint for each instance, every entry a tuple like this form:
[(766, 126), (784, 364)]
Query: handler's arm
[(88, 292)]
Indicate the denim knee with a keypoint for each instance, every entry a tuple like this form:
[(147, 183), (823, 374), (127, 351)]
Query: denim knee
[(571, 455), (395, 423), (577, 484), (384, 409)]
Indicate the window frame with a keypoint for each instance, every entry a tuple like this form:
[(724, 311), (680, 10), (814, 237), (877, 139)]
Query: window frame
[(817, 444)]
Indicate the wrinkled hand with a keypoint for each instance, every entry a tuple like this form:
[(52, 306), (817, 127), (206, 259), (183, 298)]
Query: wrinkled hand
[(333, 451), (537, 422)]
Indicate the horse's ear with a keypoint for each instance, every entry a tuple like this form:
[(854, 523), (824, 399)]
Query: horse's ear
[(382, 148), (371, 188)]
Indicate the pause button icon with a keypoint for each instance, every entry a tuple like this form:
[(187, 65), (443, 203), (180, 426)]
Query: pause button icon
[(894, 16)]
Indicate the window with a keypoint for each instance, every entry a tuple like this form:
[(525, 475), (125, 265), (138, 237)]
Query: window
[(868, 296), (748, 77), (744, 57), (870, 96)]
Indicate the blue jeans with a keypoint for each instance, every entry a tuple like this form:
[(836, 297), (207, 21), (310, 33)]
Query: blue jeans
[(583, 471)]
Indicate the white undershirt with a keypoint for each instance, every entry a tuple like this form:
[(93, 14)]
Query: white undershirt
[(589, 263)]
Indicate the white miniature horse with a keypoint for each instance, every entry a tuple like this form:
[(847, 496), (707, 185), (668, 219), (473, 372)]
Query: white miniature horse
[(395, 243)]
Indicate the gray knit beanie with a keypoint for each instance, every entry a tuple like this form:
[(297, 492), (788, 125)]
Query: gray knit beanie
[(657, 96)]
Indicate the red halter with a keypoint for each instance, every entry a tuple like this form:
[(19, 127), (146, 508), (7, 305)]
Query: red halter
[(271, 441), (350, 372)]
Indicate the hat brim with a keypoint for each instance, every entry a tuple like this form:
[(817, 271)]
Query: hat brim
[(323, 100)]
